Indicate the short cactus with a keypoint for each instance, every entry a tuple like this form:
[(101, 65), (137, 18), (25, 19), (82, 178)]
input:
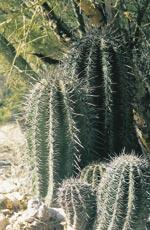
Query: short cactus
[(79, 203), (51, 135), (93, 173), (122, 198)]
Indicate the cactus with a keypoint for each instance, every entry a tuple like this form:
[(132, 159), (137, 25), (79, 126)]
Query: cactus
[(103, 69), (51, 135), (79, 203), (93, 173), (73, 121), (122, 197)]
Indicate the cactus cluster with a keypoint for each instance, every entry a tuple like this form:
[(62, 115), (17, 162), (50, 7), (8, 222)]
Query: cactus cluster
[(84, 114), (122, 197)]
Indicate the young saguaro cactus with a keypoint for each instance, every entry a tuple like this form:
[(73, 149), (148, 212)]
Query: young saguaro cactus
[(52, 135), (122, 197), (78, 200), (102, 66), (93, 173)]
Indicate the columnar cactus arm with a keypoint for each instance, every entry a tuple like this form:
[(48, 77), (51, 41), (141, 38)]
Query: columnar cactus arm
[(108, 84), (52, 135), (126, 92), (89, 73), (37, 136), (70, 128), (41, 142)]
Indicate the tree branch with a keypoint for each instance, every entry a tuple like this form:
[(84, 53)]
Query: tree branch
[(10, 61), (140, 17), (79, 17), (59, 26), (47, 59)]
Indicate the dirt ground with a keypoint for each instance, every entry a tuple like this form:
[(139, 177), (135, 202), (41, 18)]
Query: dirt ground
[(13, 170)]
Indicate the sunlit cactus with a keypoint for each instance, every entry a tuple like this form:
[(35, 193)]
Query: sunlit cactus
[(52, 135), (123, 196), (78, 200), (93, 173)]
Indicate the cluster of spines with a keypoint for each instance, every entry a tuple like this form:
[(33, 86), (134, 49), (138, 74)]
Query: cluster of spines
[(93, 173), (52, 135), (122, 197), (78, 200)]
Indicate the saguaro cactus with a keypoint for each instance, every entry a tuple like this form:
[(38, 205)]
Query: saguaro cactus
[(102, 66), (122, 198), (51, 135), (79, 203)]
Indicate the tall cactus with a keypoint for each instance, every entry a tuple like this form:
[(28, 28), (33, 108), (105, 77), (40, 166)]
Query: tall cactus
[(122, 198), (79, 203), (102, 66), (51, 135)]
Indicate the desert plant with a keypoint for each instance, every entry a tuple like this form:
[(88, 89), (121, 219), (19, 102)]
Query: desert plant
[(84, 116), (103, 67), (123, 194), (79, 203), (51, 135), (93, 173)]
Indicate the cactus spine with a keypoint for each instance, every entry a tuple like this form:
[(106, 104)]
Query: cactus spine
[(122, 197), (79, 202), (93, 173), (51, 135), (102, 68)]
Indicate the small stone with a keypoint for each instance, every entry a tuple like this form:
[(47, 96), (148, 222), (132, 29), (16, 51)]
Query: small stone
[(29, 215), (34, 203), (7, 186), (57, 213), (43, 213)]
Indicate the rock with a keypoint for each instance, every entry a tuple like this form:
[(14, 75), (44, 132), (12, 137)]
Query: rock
[(38, 216), (3, 221), (43, 213), (7, 186), (57, 213), (34, 203)]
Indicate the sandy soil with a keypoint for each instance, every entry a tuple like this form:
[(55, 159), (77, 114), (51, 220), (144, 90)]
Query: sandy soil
[(13, 170)]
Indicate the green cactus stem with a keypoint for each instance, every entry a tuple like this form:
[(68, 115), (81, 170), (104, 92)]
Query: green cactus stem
[(52, 135), (93, 173), (123, 194), (101, 64), (79, 203)]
